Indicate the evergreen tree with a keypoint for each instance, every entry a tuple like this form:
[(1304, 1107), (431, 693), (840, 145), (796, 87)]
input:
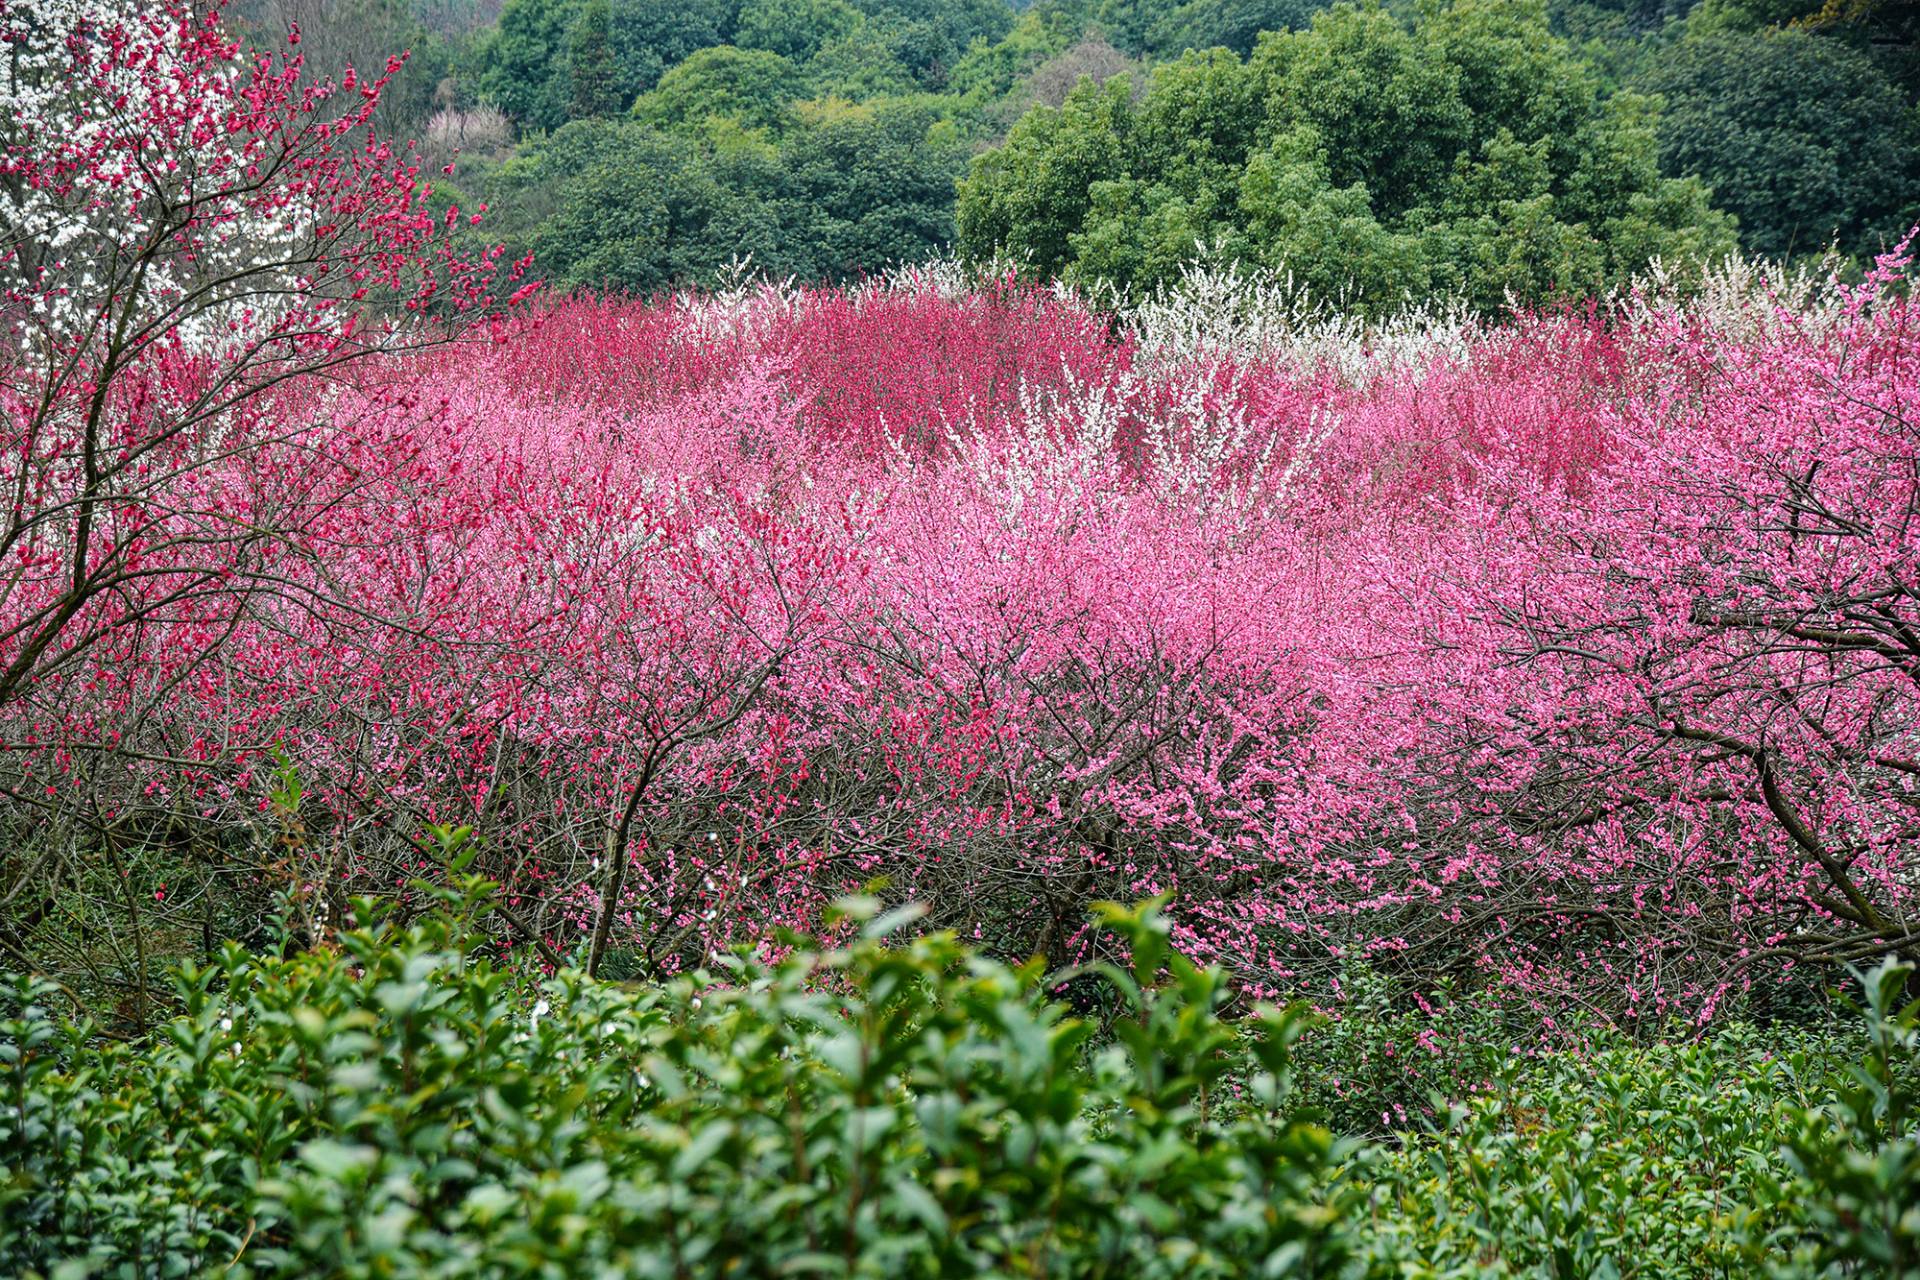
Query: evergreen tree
[(591, 65)]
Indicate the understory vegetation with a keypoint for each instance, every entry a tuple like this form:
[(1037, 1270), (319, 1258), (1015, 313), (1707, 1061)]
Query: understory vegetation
[(1388, 746)]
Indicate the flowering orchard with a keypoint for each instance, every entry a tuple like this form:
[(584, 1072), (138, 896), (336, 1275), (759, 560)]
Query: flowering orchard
[(1576, 656)]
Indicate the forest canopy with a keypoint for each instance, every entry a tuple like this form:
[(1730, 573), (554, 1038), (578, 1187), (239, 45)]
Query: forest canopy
[(1494, 151), (1470, 154)]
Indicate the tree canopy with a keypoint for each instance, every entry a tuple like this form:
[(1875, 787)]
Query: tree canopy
[(1471, 152), (1380, 149), (1803, 138)]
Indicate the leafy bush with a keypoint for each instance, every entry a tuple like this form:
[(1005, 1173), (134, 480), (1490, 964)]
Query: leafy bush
[(396, 1105), (1862, 1152), (1748, 1152), (399, 1106), (1387, 1059), (1664, 1160)]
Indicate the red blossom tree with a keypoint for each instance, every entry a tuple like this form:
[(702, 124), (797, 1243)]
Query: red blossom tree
[(185, 226), (188, 229)]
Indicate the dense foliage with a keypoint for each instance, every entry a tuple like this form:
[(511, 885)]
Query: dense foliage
[(1802, 137), (636, 209), (1469, 155), (1799, 120), (1746, 1153), (396, 1105), (662, 143)]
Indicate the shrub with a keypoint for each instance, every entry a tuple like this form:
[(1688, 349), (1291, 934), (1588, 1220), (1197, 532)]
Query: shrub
[(1388, 1058), (1663, 1160), (399, 1106), (1862, 1152), (1751, 1151)]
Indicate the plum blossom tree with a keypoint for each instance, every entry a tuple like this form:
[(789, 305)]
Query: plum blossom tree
[(1570, 657), (184, 226), (1649, 709), (189, 230)]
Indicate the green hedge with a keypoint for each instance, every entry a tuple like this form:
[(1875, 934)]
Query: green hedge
[(1777, 1151)]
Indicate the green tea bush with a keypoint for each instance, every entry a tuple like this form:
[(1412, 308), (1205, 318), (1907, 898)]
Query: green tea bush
[(398, 1106), (1861, 1154), (1751, 1151), (1662, 1160), (1386, 1059)]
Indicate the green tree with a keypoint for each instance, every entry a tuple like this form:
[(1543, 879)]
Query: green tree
[(1201, 117), (1031, 196), (750, 86), (795, 29), (1622, 22), (523, 67), (870, 186), (1385, 99), (1296, 215), (1711, 17), (991, 69), (930, 36), (1472, 152), (859, 66), (592, 72), (625, 207), (651, 36), (1227, 24), (1127, 22), (1803, 138)]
